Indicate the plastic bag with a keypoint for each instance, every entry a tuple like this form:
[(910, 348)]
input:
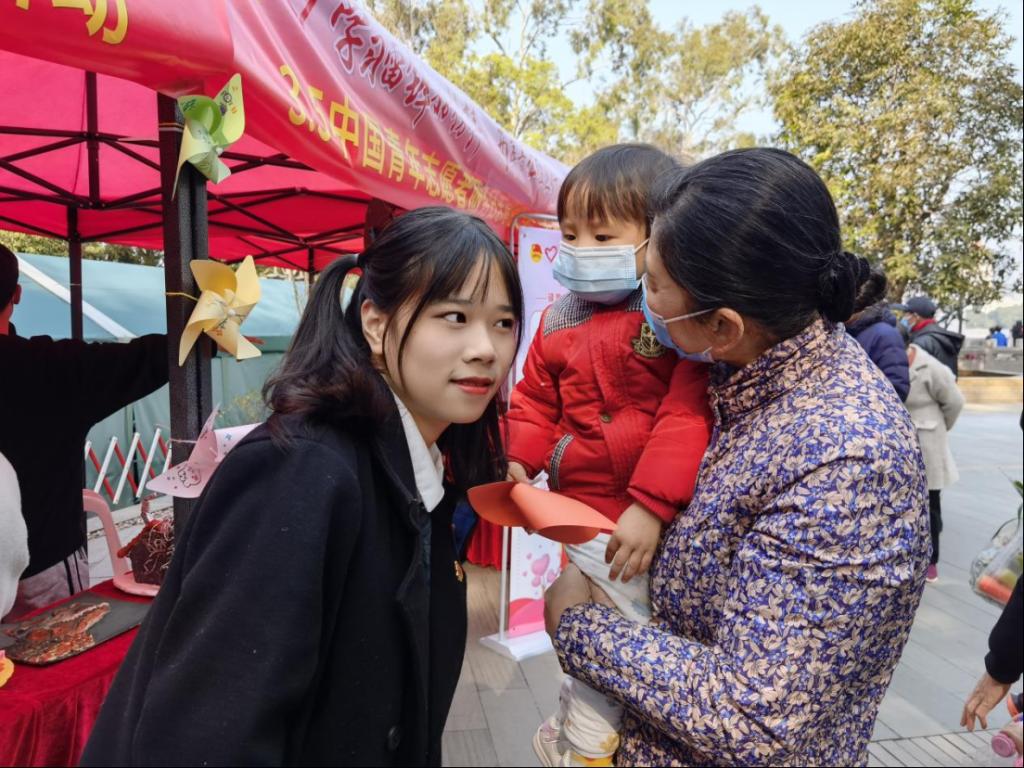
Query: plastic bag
[(997, 567)]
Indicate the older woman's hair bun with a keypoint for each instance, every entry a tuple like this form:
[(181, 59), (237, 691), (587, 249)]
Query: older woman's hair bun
[(846, 280)]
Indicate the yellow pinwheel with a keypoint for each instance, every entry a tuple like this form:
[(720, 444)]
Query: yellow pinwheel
[(211, 126), (226, 300)]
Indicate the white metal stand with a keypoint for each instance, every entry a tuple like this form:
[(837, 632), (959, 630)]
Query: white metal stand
[(522, 646)]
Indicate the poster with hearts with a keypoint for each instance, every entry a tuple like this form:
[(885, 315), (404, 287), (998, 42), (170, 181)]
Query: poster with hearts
[(534, 565), (537, 250)]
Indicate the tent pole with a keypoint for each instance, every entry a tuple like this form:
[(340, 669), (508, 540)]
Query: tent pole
[(92, 126), (74, 236), (310, 270), (185, 239), (75, 278)]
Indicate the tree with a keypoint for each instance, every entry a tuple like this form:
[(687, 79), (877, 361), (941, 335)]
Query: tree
[(440, 31), (622, 38), (682, 90), (20, 242), (913, 113), (716, 75), (497, 52)]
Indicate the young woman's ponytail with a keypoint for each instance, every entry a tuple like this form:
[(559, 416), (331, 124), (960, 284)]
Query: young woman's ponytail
[(328, 370)]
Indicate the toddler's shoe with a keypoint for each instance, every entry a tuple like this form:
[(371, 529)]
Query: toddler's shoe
[(553, 749)]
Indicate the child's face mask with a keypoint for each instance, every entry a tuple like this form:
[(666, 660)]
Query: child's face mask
[(604, 274)]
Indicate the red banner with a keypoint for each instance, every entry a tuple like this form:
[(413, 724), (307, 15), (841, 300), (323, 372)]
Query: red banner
[(327, 84), (168, 46)]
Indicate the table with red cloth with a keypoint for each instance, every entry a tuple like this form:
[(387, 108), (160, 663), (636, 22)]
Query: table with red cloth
[(47, 713), (485, 544)]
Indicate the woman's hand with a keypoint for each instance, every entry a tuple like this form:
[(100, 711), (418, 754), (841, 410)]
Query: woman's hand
[(986, 694), (633, 543), (569, 589)]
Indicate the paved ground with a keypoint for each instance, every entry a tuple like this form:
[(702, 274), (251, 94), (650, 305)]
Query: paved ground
[(499, 703)]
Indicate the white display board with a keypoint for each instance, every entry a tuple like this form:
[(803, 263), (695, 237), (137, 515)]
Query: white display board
[(531, 563)]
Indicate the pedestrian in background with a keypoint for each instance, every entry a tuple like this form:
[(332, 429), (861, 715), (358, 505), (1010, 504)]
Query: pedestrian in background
[(941, 343), (873, 325), (934, 403)]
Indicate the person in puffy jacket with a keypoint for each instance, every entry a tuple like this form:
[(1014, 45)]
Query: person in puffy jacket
[(941, 343), (873, 325), (614, 416)]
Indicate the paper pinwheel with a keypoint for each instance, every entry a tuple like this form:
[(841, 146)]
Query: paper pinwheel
[(226, 300), (188, 478), (211, 126)]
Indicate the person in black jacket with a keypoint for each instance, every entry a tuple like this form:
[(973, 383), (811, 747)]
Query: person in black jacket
[(1004, 662), (51, 394), (874, 328), (941, 343), (315, 611)]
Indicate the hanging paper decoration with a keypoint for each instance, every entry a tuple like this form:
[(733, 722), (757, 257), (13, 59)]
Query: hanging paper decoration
[(226, 300), (211, 126), (189, 478)]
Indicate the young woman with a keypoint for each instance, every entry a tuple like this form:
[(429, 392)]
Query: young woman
[(315, 610)]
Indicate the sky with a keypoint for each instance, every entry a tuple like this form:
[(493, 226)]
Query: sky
[(795, 18)]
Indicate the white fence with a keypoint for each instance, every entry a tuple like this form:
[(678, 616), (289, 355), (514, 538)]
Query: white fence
[(118, 468)]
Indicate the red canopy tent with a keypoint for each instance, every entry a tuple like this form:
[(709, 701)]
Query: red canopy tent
[(338, 113), (325, 88), (54, 161)]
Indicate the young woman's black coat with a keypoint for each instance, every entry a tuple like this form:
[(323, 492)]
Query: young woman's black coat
[(313, 614)]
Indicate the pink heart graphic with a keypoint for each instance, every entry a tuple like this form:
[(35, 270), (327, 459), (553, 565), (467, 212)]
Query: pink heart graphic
[(550, 252), (539, 567)]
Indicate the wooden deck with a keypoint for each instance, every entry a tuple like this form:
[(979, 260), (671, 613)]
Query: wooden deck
[(499, 703)]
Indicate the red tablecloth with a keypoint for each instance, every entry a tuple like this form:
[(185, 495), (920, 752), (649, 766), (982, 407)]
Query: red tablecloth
[(485, 545), (46, 713)]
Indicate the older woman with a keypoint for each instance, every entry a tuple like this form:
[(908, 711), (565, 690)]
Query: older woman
[(784, 594), (934, 403)]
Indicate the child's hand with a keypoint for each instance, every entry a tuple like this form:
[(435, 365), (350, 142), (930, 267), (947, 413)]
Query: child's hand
[(633, 543), (517, 473)]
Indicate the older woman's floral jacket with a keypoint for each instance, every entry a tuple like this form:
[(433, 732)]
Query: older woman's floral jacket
[(784, 594)]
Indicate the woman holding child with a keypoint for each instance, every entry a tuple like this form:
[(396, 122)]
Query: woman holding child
[(783, 596)]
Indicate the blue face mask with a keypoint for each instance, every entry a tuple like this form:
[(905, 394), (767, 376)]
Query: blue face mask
[(905, 322), (603, 274), (659, 325)]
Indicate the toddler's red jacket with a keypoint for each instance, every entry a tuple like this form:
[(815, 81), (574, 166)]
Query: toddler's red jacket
[(609, 413)]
